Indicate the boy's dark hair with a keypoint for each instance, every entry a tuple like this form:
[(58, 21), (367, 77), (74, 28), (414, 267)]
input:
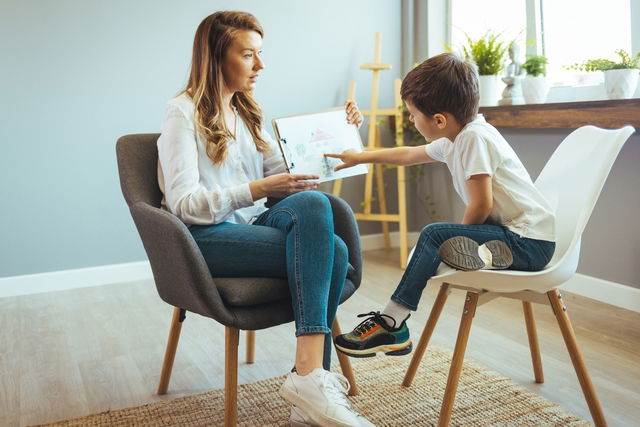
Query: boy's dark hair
[(443, 83)]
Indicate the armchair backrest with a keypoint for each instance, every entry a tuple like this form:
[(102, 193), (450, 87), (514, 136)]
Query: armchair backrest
[(138, 166), (181, 274)]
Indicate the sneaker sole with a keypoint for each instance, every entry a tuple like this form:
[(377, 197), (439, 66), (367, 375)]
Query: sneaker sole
[(388, 349), (461, 253), (501, 254), (313, 413)]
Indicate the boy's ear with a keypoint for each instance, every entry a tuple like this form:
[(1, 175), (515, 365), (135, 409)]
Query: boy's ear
[(441, 120)]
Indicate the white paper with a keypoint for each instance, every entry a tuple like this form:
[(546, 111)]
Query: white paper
[(309, 136)]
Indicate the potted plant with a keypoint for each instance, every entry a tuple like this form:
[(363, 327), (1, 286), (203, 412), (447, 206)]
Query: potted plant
[(488, 53), (620, 78), (535, 87)]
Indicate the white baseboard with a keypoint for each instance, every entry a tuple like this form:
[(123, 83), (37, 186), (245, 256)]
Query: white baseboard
[(591, 287), (73, 279), (605, 291)]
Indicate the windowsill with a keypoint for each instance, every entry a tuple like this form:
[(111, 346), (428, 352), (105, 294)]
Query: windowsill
[(613, 113)]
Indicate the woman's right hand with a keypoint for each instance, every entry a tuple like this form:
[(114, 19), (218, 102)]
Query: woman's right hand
[(282, 185)]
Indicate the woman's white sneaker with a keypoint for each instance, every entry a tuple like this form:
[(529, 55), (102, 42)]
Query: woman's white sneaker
[(322, 396), (299, 418)]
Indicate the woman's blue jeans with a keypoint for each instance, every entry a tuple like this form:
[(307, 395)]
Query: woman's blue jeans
[(528, 255), (294, 239)]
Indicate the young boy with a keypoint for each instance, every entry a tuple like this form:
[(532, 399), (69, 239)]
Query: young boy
[(507, 222)]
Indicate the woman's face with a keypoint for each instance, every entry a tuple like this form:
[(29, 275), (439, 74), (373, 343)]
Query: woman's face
[(242, 64)]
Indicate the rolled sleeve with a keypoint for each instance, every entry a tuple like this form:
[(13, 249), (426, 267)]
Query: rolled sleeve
[(241, 196)]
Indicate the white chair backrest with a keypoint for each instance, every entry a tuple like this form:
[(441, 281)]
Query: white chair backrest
[(572, 180)]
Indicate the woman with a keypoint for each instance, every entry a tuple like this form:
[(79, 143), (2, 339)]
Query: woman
[(216, 167)]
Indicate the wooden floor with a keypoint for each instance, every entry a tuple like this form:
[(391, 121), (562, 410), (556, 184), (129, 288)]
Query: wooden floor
[(72, 353)]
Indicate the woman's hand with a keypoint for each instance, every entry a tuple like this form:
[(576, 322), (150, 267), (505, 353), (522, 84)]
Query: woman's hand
[(282, 185), (354, 115), (349, 159)]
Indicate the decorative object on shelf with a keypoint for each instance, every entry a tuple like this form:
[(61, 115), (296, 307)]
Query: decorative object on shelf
[(488, 53), (621, 83), (535, 86), (620, 78), (513, 73)]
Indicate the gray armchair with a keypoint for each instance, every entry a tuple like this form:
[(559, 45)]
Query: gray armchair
[(183, 279)]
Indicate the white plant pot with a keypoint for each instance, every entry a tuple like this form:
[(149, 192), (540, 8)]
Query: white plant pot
[(621, 84), (535, 89), (488, 90)]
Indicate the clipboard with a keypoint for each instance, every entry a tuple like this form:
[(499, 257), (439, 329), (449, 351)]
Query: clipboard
[(305, 138)]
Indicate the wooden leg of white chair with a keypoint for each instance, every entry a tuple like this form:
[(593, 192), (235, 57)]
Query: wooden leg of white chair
[(532, 333), (468, 312), (345, 363), (418, 352), (251, 347), (231, 339), (560, 310), (170, 352)]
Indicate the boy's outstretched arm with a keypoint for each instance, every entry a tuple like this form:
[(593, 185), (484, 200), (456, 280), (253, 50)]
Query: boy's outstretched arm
[(400, 156), (480, 199)]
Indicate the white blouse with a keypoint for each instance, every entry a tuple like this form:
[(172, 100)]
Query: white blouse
[(196, 190)]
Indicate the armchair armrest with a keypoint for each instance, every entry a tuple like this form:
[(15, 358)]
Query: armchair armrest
[(180, 272), (345, 226)]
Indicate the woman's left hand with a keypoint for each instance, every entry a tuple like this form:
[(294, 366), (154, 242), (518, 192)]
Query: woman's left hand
[(354, 115)]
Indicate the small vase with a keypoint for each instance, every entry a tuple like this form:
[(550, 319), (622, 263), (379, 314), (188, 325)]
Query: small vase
[(535, 89), (488, 90), (621, 84)]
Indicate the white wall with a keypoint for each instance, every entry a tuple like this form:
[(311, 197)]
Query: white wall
[(76, 75)]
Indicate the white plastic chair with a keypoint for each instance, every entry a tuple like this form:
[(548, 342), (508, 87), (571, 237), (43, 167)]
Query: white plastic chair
[(571, 181)]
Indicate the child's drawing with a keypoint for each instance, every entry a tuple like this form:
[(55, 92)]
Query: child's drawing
[(309, 137)]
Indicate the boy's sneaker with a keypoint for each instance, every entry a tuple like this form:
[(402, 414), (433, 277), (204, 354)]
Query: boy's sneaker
[(463, 253), (322, 396), (374, 335), (299, 418)]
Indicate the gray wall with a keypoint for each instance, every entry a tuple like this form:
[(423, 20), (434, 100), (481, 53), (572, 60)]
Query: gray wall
[(611, 242), (76, 75)]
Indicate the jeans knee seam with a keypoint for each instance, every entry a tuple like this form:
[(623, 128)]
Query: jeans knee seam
[(296, 278)]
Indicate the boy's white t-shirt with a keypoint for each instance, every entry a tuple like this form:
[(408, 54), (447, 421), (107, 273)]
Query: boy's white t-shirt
[(517, 204)]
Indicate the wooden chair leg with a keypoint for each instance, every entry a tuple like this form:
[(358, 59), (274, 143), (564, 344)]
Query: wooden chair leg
[(170, 352), (418, 352), (532, 333), (251, 347), (560, 311), (231, 339), (468, 312), (345, 363)]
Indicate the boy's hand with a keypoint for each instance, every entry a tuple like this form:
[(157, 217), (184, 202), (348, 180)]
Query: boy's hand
[(349, 159), (354, 116)]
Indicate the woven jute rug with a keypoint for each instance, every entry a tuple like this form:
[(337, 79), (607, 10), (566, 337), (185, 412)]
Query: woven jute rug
[(484, 398)]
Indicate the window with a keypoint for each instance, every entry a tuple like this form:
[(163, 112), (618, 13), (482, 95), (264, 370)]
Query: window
[(565, 31), (474, 18), (576, 30)]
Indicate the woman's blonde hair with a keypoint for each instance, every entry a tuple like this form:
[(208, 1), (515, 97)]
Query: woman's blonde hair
[(214, 36)]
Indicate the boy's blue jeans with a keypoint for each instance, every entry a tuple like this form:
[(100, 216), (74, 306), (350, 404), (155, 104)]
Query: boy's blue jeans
[(294, 239), (528, 255)]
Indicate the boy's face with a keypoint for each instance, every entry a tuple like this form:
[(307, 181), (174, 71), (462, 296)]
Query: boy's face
[(431, 127)]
